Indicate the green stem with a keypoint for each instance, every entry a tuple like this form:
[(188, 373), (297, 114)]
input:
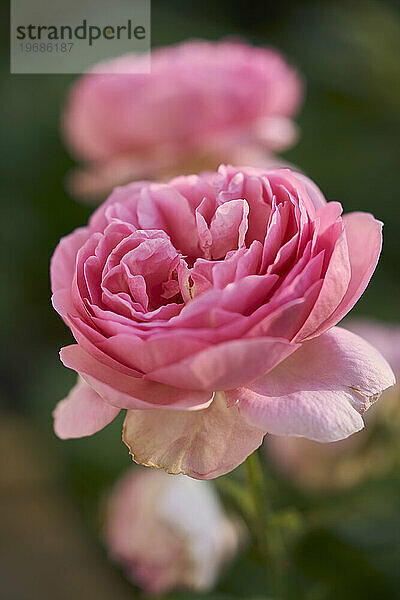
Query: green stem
[(267, 533), (260, 506)]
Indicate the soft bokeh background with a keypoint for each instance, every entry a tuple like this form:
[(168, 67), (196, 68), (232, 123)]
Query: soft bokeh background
[(349, 53)]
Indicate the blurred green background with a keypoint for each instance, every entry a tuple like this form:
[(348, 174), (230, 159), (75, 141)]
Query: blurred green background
[(349, 53)]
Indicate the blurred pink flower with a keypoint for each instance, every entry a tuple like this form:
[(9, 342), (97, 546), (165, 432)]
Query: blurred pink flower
[(169, 531), (203, 103), (315, 467), (212, 301)]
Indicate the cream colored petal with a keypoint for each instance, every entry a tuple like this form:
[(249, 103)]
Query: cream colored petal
[(202, 444)]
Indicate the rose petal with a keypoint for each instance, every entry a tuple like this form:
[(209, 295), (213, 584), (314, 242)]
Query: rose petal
[(203, 444), (227, 365), (364, 241), (334, 287), (82, 413), (228, 227), (147, 355), (128, 392), (319, 390), (62, 266), (323, 417), (313, 191), (158, 208)]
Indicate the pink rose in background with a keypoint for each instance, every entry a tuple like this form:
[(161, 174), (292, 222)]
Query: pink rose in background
[(203, 103), (317, 467), (207, 307), (169, 532)]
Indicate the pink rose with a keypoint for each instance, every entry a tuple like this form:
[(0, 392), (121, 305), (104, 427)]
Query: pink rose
[(317, 467), (169, 532), (202, 101), (206, 307)]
